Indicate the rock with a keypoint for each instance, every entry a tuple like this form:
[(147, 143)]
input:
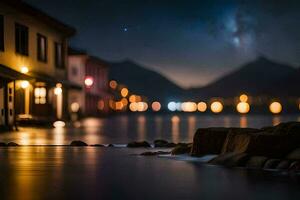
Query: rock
[(163, 144), (78, 143), (294, 155), (181, 149), (208, 141), (2, 144), (295, 166), (97, 145), (231, 159), (12, 144), (138, 144), (154, 153), (111, 145), (256, 162), (284, 164), (271, 163)]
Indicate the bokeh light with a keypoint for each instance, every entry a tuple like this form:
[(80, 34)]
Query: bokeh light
[(189, 107), (156, 106), (75, 107), (216, 107), (89, 81), (24, 84), (243, 98), (243, 107), (113, 84), (275, 107), (172, 106), (124, 92), (202, 107)]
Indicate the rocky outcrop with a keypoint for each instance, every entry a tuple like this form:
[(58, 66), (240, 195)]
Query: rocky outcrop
[(78, 143), (208, 141), (163, 144), (138, 144), (275, 147), (12, 144), (182, 148), (273, 142)]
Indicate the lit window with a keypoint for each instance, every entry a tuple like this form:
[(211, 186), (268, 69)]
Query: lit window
[(40, 95)]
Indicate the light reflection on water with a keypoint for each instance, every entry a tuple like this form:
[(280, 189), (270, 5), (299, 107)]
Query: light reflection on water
[(125, 128)]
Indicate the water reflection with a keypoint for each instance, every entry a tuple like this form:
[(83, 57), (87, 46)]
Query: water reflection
[(175, 120), (141, 127), (191, 126), (125, 128), (243, 121), (276, 120)]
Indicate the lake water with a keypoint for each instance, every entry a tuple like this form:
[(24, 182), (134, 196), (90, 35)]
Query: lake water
[(30, 173), (63, 172), (124, 128)]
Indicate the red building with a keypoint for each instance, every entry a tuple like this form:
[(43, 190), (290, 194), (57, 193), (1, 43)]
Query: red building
[(92, 74)]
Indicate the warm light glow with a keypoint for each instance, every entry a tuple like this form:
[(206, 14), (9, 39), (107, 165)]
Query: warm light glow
[(172, 106), (133, 107), (189, 107), (202, 107), (124, 92), (101, 105), (24, 84), (124, 101), (156, 106), (59, 124), (113, 84), (24, 69), (89, 81), (75, 107), (57, 91), (119, 105), (135, 98), (243, 107), (275, 107), (243, 98), (216, 107), (142, 106)]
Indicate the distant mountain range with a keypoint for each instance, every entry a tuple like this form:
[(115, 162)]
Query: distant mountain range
[(259, 77), (146, 82)]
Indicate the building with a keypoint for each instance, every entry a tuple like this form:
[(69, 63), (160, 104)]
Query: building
[(92, 74), (33, 60)]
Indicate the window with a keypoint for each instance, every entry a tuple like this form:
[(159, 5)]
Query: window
[(74, 71), (58, 55), (21, 39), (42, 48), (1, 33), (40, 95)]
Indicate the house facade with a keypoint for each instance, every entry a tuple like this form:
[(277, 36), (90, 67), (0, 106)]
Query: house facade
[(92, 74), (33, 60)]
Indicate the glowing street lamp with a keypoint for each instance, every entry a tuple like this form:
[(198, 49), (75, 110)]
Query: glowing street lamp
[(89, 81), (24, 84), (24, 70)]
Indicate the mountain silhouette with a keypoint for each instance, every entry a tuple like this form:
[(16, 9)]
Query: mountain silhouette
[(143, 81), (255, 78)]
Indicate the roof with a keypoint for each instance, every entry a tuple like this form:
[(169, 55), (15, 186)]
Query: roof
[(40, 15), (8, 73)]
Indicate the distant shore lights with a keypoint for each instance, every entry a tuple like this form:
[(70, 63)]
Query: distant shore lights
[(243, 106), (156, 106), (202, 106), (275, 107), (216, 107), (124, 92)]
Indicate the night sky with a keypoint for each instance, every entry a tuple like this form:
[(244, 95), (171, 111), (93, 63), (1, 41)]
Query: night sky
[(191, 41)]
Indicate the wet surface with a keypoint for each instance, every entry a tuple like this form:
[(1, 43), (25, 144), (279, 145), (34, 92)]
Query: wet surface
[(115, 173), (124, 128)]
